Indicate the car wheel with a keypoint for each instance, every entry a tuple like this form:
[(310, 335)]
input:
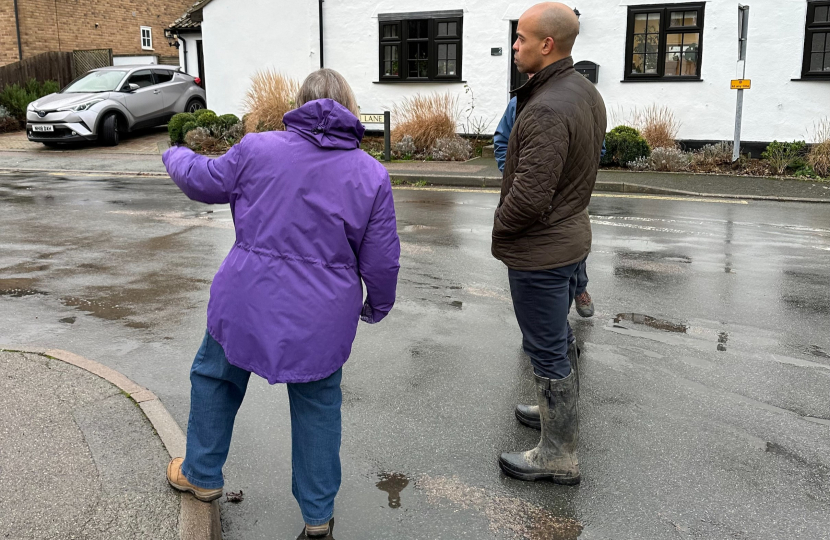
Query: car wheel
[(109, 130), (194, 105)]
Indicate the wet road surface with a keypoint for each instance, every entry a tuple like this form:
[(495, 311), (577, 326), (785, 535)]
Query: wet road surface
[(706, 370)]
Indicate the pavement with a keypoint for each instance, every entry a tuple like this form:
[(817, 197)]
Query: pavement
[(706, 370), (139, 156), (83, 455), (78, 458)]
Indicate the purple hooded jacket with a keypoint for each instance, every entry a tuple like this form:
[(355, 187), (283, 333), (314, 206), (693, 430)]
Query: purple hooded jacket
[(313, 215)]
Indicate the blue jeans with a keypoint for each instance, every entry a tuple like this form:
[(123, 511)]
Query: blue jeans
[(542, 300), (217, 391), (582, 277)]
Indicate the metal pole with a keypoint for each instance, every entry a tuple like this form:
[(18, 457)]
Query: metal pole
[(743, 32), (387, 136), (322, 58), (17, 24)]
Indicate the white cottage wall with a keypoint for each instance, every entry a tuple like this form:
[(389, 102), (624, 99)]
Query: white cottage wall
[(241, 37), (192, 54)]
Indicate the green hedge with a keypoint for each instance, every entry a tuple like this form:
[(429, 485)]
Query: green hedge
[(176, 124), (16, 98), (623, 145)]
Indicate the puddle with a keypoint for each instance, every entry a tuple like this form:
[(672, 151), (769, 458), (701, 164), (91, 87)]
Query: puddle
[(19, 287), (817, 351), (651, 322), (393, 484), (516, 517), (457, 305), (68, 320)]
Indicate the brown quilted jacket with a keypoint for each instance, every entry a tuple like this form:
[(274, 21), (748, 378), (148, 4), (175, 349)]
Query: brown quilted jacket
[(552, 160)]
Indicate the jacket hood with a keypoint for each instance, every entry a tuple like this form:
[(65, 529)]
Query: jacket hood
[(327, 124)]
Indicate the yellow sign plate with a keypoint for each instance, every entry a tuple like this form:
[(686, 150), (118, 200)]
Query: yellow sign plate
[(371, 118), (741, 84)]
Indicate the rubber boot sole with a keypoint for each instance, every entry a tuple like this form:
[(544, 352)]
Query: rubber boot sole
[(533, 477), (530, 421), (208, 496)]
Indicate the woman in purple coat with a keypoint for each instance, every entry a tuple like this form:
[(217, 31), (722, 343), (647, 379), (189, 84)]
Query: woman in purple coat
[(314, 216)]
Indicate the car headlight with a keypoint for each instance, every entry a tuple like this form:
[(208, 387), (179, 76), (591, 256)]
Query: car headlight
[(85, 106)]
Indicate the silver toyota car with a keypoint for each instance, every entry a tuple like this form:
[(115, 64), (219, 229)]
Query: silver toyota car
[(110, 101)]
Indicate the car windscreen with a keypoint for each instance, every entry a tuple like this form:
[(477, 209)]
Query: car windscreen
[(96, 81)]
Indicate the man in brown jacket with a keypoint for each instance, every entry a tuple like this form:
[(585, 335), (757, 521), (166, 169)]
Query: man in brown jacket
[(542, 231)]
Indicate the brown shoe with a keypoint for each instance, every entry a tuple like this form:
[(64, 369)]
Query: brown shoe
[(178, 481), (584, 305)]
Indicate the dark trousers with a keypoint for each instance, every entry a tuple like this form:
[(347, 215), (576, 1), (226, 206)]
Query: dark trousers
[(542, 300), (582, 277)]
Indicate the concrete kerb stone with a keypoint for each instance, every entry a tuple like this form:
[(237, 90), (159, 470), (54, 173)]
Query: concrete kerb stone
[(197, 520)]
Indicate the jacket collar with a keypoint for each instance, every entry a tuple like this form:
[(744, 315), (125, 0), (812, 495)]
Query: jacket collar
[(552, 72)]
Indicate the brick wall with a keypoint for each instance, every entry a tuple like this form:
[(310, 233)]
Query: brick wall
[(8, 33), (67, 25)]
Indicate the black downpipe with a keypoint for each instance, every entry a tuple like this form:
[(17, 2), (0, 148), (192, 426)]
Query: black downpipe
[(17, 23), (322, 58), (184, 44)]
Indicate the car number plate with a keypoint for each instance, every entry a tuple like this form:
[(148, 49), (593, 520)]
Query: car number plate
[(43, 128)]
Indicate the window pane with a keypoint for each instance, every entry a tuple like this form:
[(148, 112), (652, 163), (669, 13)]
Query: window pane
[(652, 43), (442, 67), (453, 29), (683, 18), (816, 60), (676, 19), (452, 51), (142, 78), (423, 69), (818, 41), (640, 43), (651, 63), (390, 30), (442, 29), (442, 52), (691, 18), (451, 66), (640, 22), (822, 13), (827, 62), (637, 64), (653, 23), (418, 29)]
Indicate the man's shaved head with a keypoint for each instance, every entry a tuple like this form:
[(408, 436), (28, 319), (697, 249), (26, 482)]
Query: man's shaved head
[(547, 33), (555, 20)]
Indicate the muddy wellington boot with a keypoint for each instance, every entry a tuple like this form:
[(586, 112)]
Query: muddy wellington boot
[(529, 414), (555, 457)]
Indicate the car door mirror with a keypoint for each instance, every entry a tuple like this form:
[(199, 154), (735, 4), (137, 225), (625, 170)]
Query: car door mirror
[(130, 87)]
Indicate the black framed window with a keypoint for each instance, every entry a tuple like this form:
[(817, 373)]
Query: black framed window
[(420, 47), (817, 42), (664, 42)]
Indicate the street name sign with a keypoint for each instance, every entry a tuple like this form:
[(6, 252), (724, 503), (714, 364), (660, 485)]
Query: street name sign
[(371, 118)]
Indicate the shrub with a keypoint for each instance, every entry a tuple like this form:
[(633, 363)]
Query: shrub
[(198, 114), (234, 134), (16, 98), (187, 128), (175, 125), (657, 125), (670, 160), (227, 121), (819, 156), (783, 156), (426, 119), (271, 96), (7, 121), (207, 119), (201, 139), (452, 149), (405, 148), (623, 145), (712, 156)]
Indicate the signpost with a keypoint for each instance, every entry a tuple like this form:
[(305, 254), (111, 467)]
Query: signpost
[(741, 83), (385, 119)]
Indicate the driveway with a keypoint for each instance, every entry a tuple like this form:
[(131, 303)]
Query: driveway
[(144, 142)]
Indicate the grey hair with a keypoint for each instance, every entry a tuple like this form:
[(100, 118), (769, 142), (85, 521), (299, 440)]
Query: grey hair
[(328, 84)]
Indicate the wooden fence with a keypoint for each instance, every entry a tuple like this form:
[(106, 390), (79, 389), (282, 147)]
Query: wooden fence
[(84, 61), (51, 66)]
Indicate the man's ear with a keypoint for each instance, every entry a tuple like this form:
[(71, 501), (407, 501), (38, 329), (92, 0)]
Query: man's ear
[(547, 46)]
